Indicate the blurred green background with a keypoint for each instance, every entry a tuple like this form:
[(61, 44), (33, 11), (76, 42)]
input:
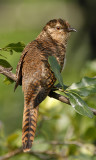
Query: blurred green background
[(22, 20)]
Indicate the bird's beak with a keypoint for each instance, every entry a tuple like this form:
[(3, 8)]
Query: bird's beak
[(72, 30)]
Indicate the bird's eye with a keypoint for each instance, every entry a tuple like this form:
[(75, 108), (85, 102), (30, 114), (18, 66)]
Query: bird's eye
[(58, 28)]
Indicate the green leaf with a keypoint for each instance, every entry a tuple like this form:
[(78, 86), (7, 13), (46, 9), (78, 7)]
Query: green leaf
[(17, 47), (85, 87), (4, 63), (2, 56), (59, 86), (12, 137), (8, 81), (79, 105), (56, 69), (14, 140)]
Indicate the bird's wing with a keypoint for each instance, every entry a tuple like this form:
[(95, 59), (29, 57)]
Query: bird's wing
[(19, 65)]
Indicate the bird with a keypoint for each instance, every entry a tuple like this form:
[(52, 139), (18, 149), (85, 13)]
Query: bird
[(34, 73)]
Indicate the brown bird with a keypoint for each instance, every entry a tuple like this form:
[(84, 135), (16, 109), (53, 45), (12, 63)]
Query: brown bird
[(34, 72)]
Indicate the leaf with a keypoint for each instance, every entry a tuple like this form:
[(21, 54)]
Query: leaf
[(12, 137), (5, 63), (17, 47), (59, 86), (79, 105), (8, 81), (2, 56), (56, 69), (85, 87), (14, 140)]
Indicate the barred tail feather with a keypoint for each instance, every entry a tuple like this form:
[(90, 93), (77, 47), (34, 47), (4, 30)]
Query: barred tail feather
[(29, 127)]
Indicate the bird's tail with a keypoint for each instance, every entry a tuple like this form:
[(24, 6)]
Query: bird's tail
[(29, 127)]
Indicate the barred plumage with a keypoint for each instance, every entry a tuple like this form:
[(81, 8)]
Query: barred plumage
[(35, 75), (29, 127)]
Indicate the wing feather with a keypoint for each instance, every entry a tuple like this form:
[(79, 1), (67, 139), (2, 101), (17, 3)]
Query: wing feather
[(19, 66)]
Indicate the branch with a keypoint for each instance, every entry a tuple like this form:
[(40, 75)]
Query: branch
[(66, 100), (43, 155), (11, 154), (79, 144), (46, 155), (8, 73), (20, 151)]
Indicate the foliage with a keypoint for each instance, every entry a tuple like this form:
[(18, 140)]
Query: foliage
[(83, 88), (52, 124), (4, 63), (56, 69), (17, 47)]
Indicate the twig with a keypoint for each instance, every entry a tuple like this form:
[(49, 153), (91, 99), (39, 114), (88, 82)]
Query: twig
[(43, 155), (65, 100), (59, 97), (7, 72), (93, 110), (11, 154), (12, 76), (20, 151), (79, 144)]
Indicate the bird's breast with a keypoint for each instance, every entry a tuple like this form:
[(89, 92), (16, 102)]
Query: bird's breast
[(48, 78)]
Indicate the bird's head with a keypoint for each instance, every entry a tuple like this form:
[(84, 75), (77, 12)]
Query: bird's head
[(58, 30)]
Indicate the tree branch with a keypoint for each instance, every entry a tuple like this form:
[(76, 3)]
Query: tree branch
[(77, 143), (8, 73), (46, 155), (59, 97), (43, 155), (20, 151), (65, 100), (11, 154)]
